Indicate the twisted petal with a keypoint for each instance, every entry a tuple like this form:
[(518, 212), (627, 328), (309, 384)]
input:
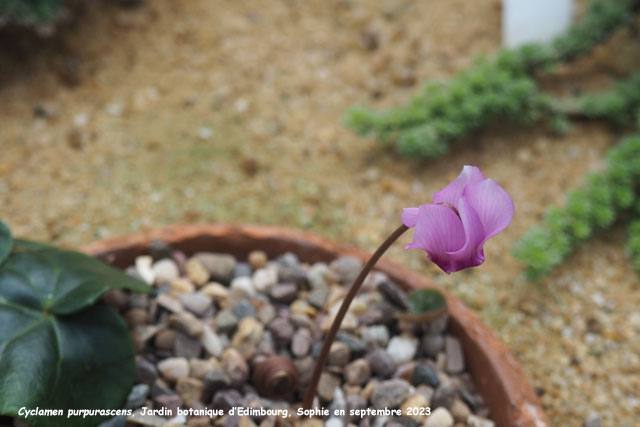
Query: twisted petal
[(471, 253), (492, 204), (410, 217), (453, 192), (438, 231)]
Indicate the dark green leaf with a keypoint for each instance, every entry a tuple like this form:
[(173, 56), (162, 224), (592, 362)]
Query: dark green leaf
[(6, 242), (21, 245), (60, 282), (426, 301), (82, 361)]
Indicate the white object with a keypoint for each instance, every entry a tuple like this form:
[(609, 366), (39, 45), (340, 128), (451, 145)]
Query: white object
[(528, 21)]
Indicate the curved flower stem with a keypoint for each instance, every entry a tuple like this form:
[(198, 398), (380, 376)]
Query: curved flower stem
[(333, 331)]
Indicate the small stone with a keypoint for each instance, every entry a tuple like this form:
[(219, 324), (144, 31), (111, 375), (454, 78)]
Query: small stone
[(265, 279), (393, 294), (196, 272), (444, 395), (136, 317), (301, 342), (143, 268), (454, 356), (211, 342), (356, 345), (226, 322), (284, 293), (402, 348), (300, 306), (592, 420), (242, 269), (382, 364), (227, 399), (169, 303), (190, 389), (218, 292), (165, 339), (357, 372), (213, 382), (181, 285), (355, 402), (257, 259), (142, 334), (249, 332), (460, 411), (390, 393), (146, 372), (219, 266), (437, 325), (160, 387), (266, 313), (423, 374), (244, 308), (346, 269), (339, 354), (117, 421), (137, 396), (304, 367), (159, 250), (292, 274), (281, 331), (186, 346), (199, 368), (174, 368), (235, 366), (243, 287), (318, 296), (376, 336), (301, 321), (317, 275), (197, 303), (165, 270), (169, 401), (327, 385), (432, 344), (199, 422), (187, 323), (440, 417), (412, 402), (245, 421)]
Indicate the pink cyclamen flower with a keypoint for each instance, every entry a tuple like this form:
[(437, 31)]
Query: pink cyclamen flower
[(464, 215)]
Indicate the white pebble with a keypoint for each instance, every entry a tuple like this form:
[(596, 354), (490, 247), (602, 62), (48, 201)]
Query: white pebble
[(402, 349), (243, 286), (264, 279), (439, 418), (143, 267), (165, 270), (377, 335), (211, 341), (334, 422)]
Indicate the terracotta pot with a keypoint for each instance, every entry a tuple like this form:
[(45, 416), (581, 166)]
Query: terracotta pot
[(496, 374)]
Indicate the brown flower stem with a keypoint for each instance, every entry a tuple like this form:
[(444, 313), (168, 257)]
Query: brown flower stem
[(335, 326)]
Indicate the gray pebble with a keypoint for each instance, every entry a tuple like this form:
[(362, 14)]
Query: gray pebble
[(186, 346), (444, 395), (214, 381), (137, 396), (423, 374), (346, 269), (454, 356), (281, 331), (244, 308), (394, 294), (219, 266), (376, 335), (284, 293), (339, 354), (593, 420), (301, 342), (227, 399), (226, 322), (390, 393), (242, 269), (382, 365), (432, 344), (197, 303), (146, 372)]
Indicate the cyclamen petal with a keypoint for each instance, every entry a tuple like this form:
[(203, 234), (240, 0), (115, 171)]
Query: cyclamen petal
[(451, 193), (438, 231), (492, 204), (467, 212)]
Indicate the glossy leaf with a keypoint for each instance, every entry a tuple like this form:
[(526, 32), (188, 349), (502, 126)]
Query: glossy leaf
[(426, 301), (6, 242), (82, 361), (60, 282)]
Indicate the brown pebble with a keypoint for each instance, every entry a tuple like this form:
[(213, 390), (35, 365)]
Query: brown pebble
[(165, 339), (257, 259)]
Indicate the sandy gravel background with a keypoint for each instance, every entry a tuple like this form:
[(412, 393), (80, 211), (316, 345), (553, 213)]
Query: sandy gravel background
[(207, 111)]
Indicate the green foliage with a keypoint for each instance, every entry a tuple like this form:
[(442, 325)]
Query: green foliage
[(633, 243), (502, 88), (620, 106), (60, 347), (424, 301), (6, 242), (30, 11), (605, 197)]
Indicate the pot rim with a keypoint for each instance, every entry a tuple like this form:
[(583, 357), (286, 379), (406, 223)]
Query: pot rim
[(497, 376)]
